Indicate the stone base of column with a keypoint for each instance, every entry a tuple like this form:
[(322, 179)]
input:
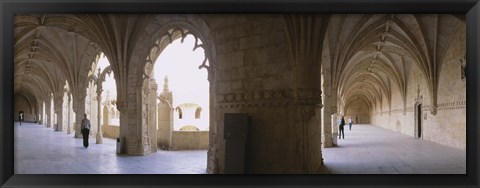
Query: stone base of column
[(334, 139), (99, 139), (327, 140)]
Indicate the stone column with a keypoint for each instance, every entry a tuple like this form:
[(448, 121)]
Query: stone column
[(59, 112), (334, 128), (152, 115), (69, 114), (39, 115), (124, 120), (165, 118), (79, 109), (305, 34), (48, 110), (326, 122), (99, 119)]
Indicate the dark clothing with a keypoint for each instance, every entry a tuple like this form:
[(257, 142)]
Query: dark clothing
[(85, 133), (341, 133)]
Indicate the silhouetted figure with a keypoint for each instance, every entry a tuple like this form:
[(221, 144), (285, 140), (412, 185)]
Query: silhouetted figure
[(85, 129), (341, 133), (20, 118), (350, 122)]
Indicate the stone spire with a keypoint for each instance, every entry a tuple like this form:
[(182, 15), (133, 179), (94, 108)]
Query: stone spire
[(165, 85), (166, 94), (107, 99)]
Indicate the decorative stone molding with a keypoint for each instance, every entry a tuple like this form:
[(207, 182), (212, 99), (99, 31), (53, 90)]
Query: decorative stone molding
[(271, 98), (453, 105)]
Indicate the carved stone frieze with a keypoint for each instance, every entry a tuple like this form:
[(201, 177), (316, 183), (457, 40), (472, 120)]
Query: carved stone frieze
[(308, 96), (271, 98)]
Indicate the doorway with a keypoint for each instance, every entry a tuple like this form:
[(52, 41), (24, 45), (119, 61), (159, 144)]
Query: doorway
[(418, 120)]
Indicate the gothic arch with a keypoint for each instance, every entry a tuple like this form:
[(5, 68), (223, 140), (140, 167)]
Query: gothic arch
[(167, 29), (160, 30)]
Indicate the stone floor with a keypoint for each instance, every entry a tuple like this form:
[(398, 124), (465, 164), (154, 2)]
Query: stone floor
[(366, 149), (40, 150), (369, 149)]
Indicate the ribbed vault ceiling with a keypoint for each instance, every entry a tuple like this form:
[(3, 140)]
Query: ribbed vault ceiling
[(371, 54)]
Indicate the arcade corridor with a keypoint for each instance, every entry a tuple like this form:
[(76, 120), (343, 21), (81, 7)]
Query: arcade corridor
[(366, 149)]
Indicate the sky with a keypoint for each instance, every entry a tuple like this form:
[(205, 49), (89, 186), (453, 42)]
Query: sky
[(188, 83)]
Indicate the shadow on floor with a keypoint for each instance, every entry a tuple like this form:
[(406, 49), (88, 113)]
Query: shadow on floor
[(324, 170)]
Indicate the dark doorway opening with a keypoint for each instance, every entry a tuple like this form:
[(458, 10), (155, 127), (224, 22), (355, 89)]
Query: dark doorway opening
[(419, 120)]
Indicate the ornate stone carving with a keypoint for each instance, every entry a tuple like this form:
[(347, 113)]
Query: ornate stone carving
[(308, 96), (271, 98), (305, 113), (433, 110), (463, 68)]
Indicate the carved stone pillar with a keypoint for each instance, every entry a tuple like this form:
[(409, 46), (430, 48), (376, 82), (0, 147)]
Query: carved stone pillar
[(165, 118), (69, 114), (99, 119), (326, 122), (124, 123), (327, 99), (152, 115), (79, 109), (308, 120), (48, 110), (39, 115), (305, 33), (44, 114), (59, 112)]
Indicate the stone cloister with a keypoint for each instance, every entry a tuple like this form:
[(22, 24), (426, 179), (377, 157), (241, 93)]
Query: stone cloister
[(294, 75)]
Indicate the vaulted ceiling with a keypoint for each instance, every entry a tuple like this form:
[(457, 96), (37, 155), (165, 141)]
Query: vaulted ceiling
[(371, 54)]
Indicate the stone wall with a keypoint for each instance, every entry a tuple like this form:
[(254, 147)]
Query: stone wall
[(21, 104), (189, 140), (254, 76), (359, 112), (111, 131), (448, 125)]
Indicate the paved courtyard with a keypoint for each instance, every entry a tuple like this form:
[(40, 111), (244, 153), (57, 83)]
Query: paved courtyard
[(369, 149), (366, 149), (40, 150)]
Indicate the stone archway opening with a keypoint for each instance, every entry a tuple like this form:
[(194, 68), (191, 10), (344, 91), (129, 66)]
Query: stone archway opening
[(178, 85), (358, 109), (100, 103)]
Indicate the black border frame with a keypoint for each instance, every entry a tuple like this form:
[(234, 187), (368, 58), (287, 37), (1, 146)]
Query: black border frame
[(8, 8)]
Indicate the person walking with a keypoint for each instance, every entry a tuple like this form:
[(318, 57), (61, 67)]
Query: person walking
[(85, 129), (20, 118), (350, 122), (341, 133)]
